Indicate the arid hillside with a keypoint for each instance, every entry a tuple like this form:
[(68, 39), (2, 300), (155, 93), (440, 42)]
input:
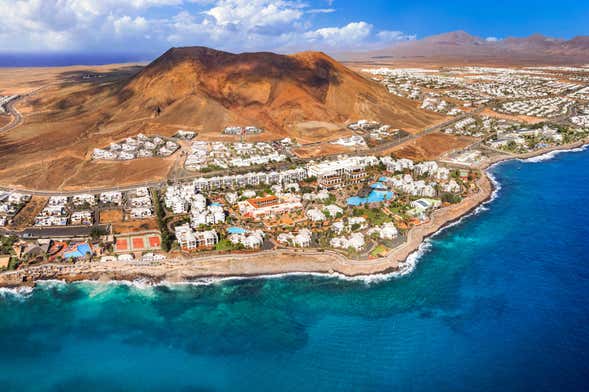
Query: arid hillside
[(460, 48), (307, 96), (208, 90)]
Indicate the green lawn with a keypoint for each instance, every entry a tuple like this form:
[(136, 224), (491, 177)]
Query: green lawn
[(379, 250)]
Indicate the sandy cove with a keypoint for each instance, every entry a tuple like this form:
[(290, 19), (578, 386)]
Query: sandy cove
[(273, 262)]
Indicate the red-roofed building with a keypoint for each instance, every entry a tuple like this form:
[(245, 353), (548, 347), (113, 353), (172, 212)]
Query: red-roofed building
[(270, 205)]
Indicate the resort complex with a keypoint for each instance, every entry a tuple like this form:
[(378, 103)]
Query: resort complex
[(359, 194), (294, 195)]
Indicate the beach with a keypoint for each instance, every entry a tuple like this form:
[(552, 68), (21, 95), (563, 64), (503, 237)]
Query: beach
[(274, 262)]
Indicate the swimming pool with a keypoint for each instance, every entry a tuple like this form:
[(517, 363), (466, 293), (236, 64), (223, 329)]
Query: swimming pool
[(79, 251), (378, 185), (236, 230), (376, 196)]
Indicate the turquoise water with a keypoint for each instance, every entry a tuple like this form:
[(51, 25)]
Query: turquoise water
[(81, 251), (497, 302), (375, 196), (236, 230), (379, 186)]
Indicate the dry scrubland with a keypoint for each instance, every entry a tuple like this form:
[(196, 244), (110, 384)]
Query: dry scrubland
[(431, 146), (196, 88)]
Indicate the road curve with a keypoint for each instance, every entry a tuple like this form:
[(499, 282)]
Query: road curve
[(16, 116)]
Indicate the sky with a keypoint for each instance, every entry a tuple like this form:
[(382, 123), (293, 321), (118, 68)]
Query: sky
[(152, 26)]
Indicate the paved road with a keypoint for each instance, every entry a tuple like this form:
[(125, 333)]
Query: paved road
[(47, 193), (427, 131), (16, 116)]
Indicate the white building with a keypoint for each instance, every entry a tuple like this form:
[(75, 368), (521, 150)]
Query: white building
[(82, 218), (114, 197), (315, 215), (189, 239), (387, 231), (333, 210), (354, 241), (84, 198), (343, 171), (141, 212), (251, 239)]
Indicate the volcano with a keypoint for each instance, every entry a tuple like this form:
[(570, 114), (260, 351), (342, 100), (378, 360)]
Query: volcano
[(307, 96), (208, 89)]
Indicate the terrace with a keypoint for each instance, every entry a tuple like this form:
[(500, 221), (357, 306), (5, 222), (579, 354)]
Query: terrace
[(206, 156), (141, 146)]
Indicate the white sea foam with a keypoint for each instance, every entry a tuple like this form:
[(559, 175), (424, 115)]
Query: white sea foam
[(413, 259), (51, 283), (551, 154), (21, 293)]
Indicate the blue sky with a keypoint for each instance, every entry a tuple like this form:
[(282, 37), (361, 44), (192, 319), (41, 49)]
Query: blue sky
[(151, 26), (564, 18)]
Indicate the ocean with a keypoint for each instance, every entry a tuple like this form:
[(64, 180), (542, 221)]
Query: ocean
[(66, 59), (498, 301)]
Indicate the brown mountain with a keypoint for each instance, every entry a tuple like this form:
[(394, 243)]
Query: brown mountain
[(461, 47), (307, 96), (455, 38), (208, 89)]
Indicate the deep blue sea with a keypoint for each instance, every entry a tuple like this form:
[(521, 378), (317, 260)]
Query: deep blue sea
[(498, 302), (65, 59)]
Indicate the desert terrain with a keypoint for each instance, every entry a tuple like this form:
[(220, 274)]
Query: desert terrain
[(459, 48), (67, 112), (430, 146)]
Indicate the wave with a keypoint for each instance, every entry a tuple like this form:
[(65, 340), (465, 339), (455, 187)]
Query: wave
[(414, 258), (551, 155), (51, 283), (20, 293)]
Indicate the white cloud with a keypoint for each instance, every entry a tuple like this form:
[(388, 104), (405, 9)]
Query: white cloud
[(321, 11), (137, 25), (128, 25), (388, 36), (336, 37), (250, 14), (491, 39)]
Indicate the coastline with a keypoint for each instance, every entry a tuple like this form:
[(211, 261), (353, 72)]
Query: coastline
[(400, 261)]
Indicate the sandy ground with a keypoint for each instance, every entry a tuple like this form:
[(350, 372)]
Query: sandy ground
[(134, 226), (4, 120), (319, 150), (26, 216), (517, 118), (14, 81), (115, 217), (430, 146)]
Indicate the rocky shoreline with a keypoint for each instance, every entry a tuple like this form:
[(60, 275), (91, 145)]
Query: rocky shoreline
[(275, 262)]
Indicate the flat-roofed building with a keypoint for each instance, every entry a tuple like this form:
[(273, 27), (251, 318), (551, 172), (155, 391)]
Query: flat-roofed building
[(268, 206), (189, 239)]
